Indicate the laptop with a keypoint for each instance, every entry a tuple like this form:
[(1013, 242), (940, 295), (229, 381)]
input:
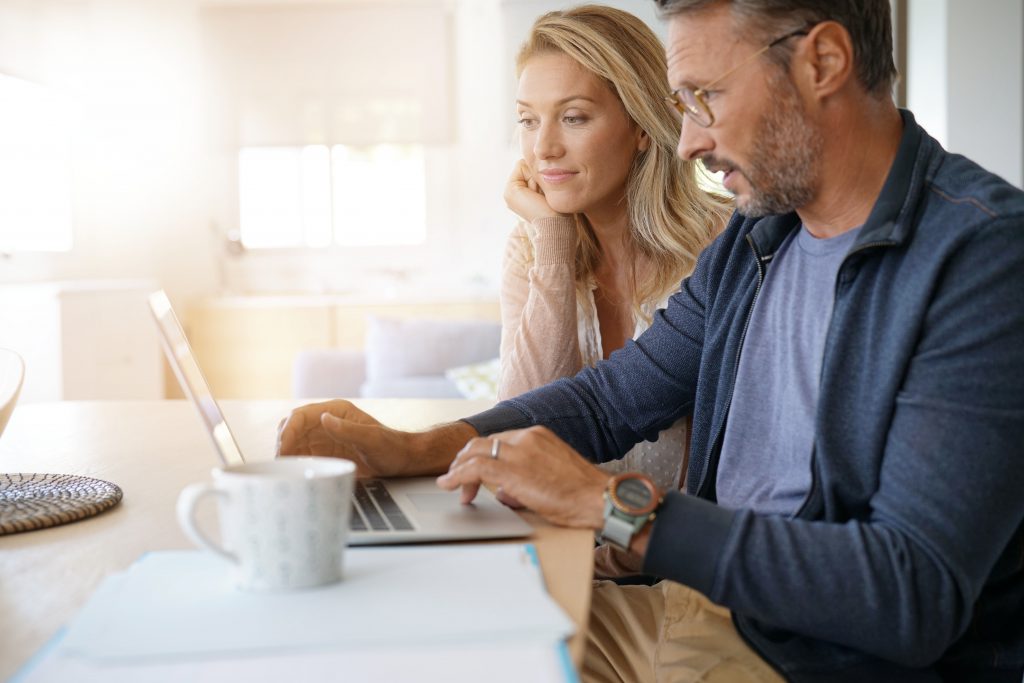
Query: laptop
[(385, 511)]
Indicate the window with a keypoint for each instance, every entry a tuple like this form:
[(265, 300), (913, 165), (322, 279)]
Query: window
[(318, 196), (331, 146), (35, 168)]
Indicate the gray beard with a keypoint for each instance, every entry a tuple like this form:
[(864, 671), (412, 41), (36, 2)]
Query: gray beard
[(783, 170)]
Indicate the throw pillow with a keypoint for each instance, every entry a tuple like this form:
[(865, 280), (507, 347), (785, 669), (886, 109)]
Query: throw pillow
[(398, 348), (476, 380)]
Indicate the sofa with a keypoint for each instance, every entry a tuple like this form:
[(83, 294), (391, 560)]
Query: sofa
[(405, 358)]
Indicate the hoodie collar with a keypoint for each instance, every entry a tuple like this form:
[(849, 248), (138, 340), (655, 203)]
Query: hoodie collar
[(888, 221)]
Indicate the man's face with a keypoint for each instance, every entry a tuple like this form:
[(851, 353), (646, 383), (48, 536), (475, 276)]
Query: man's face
[(761, 138)]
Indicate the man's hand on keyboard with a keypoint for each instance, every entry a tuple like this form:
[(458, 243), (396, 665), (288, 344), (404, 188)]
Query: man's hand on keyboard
[(338, 429)]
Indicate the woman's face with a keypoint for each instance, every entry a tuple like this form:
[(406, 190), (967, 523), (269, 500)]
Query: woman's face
[(575, 136)]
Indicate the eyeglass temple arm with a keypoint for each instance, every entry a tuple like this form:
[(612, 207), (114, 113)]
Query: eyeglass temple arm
[(781, 39)]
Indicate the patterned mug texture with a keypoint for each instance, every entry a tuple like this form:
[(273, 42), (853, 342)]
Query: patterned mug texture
[(284, 523)]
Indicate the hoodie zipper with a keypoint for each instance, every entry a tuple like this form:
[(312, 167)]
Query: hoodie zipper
[(813, 492), (761, 261)]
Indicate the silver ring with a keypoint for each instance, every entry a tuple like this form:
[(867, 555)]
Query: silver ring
[(495, 447)]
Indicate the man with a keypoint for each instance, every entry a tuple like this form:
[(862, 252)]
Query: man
[(852, 351)]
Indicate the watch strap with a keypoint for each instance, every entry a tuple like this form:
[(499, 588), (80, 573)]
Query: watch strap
[(620, 525), (617, 531)]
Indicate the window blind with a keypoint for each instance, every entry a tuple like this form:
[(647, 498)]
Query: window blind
[(353, 74)]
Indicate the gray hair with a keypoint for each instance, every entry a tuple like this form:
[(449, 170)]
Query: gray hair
[(868, 22)]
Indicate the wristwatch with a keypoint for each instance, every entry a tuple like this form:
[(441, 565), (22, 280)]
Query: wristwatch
[(630, 501)]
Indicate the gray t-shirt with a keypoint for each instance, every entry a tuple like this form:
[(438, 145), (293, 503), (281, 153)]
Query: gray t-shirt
[(766, 455)]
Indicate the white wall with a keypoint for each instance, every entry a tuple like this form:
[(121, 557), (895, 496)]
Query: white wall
[(965, 79), (927, 93), (153, 197), (131, 71)]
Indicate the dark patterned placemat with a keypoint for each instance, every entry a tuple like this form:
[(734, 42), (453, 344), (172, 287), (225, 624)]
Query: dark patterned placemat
[(37, 501)]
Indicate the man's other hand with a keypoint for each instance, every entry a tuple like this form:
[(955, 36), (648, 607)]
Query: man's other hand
[(536, 468)]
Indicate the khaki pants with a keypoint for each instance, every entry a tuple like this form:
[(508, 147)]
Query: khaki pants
[(666, 633)]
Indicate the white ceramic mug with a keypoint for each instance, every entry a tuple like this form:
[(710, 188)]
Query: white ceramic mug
[(284, 523)]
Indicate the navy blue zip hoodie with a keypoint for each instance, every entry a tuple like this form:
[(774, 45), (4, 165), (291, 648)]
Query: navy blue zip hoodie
[(906, 560)]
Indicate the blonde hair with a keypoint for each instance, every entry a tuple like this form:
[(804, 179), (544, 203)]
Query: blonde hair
[(671, 219)]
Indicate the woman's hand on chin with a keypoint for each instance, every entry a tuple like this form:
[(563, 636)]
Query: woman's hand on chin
[(524, 196)]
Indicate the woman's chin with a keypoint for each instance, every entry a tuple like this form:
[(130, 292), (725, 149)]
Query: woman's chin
[(564, 206)]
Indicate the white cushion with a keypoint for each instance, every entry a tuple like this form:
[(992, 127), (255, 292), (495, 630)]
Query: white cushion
[(417, 348), (476, 380)]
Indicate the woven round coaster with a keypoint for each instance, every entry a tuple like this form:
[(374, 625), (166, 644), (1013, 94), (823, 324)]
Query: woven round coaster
[(37, 501)]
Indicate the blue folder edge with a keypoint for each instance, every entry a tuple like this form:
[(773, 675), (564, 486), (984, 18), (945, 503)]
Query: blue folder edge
[(531, 550), (567, 668), (571, 676), (41, 654)]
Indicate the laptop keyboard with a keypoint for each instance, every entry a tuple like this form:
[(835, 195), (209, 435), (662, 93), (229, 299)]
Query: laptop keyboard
[(373, 509)]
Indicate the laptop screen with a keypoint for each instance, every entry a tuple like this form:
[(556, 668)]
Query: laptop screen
[(191, 379)]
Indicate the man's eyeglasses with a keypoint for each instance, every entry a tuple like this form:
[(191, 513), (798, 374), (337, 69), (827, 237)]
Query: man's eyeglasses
[(692, 102)]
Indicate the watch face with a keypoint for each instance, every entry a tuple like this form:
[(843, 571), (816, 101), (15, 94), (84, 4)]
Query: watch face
[(634, 496)]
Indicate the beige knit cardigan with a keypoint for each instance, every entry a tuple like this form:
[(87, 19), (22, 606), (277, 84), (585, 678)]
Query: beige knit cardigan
[(550, 330)]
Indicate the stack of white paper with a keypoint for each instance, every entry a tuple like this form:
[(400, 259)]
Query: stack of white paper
[(402, 613)]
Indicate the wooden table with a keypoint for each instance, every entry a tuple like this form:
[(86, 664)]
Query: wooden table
[(152, 449)]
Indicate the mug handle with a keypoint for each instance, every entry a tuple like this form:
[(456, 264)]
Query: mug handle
[(187, 501)]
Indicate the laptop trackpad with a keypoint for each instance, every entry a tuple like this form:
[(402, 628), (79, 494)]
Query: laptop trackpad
[(435, 502)]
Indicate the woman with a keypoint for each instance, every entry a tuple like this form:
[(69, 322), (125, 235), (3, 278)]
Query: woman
[(612, 221)]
